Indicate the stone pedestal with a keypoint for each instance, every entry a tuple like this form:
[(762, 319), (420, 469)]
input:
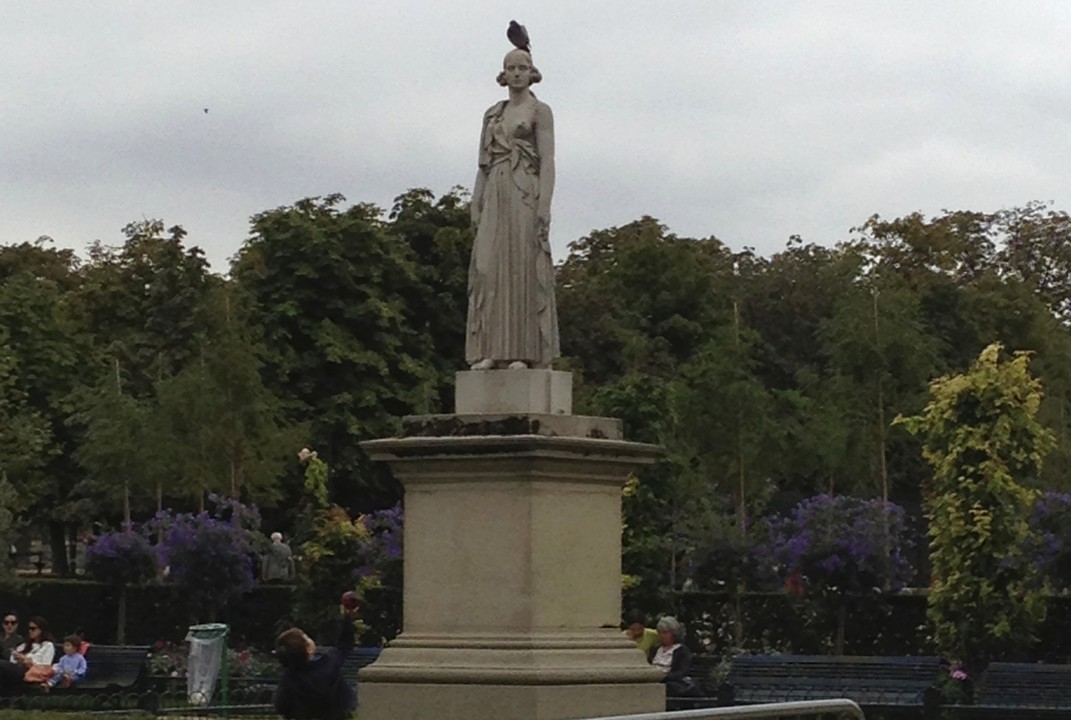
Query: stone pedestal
[(512, 562), (496, 392)]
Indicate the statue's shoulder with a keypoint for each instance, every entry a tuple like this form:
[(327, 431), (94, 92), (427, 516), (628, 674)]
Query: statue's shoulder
[(495, 110), (543, 112)]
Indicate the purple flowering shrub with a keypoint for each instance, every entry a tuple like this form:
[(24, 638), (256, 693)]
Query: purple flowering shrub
[(1048, 546), (124, 557), (379, 575), (211, 556), (840, 544)]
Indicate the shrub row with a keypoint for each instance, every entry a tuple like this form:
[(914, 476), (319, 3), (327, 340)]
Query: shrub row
[(874, 625), (153, 611)]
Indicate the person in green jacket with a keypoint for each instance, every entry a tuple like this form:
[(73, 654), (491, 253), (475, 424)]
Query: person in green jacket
[(636, 627)]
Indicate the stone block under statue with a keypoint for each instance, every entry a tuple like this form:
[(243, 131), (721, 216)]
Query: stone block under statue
[(512, 564), (506, 392)]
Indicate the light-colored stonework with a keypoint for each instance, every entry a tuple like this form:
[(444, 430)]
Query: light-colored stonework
[(512, 596), (512, 589), (514, 391), (512, 317)]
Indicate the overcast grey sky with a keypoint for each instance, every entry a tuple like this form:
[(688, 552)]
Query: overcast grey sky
[(747, 120)]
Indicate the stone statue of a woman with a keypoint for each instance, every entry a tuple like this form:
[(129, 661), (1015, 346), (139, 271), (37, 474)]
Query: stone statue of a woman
[(512, 318)]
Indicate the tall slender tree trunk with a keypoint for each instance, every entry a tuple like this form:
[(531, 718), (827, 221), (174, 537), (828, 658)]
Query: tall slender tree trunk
[(126, 482), (120, 620), (842, 620), (882, 436), (741, 508), (882, 429), (57, 542)]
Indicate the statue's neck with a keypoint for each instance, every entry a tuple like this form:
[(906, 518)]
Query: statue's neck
[(518, 96)]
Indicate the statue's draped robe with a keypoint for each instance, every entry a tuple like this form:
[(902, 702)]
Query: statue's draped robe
[(512, 315)]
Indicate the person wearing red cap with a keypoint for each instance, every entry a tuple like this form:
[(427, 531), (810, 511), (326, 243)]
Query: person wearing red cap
[(312, 686)]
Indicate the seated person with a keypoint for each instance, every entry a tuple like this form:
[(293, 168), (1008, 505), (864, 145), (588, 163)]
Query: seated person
[(72, 666), (312, 686), (30, 662), (11, 638), (636, 626), (674, 659)]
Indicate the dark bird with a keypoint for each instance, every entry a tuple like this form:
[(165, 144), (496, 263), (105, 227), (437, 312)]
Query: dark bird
[(518, 36), (206, 111)]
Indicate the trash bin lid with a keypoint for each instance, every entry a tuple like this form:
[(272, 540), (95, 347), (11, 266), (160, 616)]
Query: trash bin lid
[(209, 630)]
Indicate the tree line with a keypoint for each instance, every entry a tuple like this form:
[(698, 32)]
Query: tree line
[(134, 379)]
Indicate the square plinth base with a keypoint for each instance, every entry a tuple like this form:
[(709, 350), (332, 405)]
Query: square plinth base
[(512, 392), (404, 701)]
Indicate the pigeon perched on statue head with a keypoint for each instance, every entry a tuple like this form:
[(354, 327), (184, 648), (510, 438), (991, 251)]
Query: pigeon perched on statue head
[(518, 36)]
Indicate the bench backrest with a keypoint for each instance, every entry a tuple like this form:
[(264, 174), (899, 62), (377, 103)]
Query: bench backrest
[(1024, 685), (873, 681), (355, 659), (114, 665)]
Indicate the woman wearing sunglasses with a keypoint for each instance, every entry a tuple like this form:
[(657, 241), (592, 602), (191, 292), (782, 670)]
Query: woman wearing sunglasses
[(37, 650)]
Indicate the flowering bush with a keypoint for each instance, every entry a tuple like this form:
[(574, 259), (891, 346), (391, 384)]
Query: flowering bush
[(210, 555), (1048, 546), (169, 659), (841, 544), (363, 554), (379, 574), (955, 685), (121, 558), (329, 558)]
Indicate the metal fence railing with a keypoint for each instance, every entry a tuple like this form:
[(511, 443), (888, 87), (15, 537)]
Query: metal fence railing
[(754, 712)]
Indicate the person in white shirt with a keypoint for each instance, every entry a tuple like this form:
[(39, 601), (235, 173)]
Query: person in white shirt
[(674, 659), (37, 650)]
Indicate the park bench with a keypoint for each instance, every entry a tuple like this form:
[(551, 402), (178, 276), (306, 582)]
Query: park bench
[(703, 667), (113, 668), (886, 684), (1021, 690), (355, 659)]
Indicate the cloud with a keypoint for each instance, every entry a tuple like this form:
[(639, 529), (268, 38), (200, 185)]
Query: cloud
[(749, 121)]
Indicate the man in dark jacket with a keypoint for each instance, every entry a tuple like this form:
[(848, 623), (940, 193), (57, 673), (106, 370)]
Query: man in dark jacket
[(312, 686)]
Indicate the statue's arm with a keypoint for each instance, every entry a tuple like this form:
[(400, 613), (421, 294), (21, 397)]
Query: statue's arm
[(476, 205), (545, 143)]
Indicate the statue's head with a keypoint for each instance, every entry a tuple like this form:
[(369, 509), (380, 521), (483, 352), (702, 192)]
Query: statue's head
[(518, 71)]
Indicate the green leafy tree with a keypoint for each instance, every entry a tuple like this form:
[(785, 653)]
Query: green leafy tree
[(439, 236), (117, 451), (24, 434), (42, 349), (880, 357), (8, 496), (220, 428), (331, 294), (983, 440), (145, 303)]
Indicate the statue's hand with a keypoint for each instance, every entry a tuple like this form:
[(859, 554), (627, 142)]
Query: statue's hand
[(474, 212)]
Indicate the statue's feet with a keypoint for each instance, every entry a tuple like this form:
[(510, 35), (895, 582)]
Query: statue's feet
[(518, 365), (485, 364)]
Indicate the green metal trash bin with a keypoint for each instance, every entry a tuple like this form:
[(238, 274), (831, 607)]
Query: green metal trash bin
[(207, 662)]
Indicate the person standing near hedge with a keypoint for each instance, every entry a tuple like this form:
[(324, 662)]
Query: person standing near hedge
[(11, 638), (278, 562)]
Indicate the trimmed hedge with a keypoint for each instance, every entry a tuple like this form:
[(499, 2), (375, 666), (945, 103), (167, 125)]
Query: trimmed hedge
[(63, 715), (890, 625), (153, 611)]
